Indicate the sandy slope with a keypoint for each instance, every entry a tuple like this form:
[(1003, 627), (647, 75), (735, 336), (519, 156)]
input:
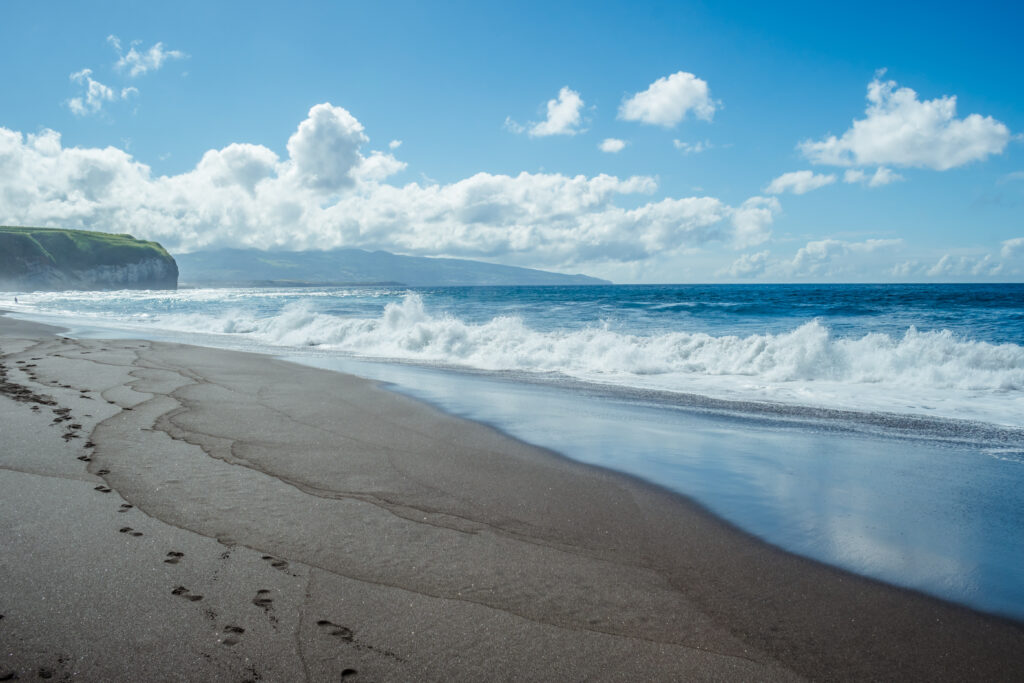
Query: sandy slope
[(267, 521)]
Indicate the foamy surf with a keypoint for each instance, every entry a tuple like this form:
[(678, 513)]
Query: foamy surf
[(936, 372)]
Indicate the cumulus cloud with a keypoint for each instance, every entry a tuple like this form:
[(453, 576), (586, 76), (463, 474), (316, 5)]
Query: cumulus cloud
[(833, 259), (394, 144), (1012, 247), (96, 94), (904, 269), (692, 147), (817, 257), (563, 116), (799, 182), (881, 176), (612, 145), (325, 148), (513, 126), (900, 130), (329, 192), (747, 265), (752, 221), (667, 101), (239, 165), (949, 266), (137, 63)]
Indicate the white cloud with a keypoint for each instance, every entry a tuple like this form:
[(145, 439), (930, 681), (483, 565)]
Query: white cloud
[(817, 257), (563, 115), (329, 193), (900, 130), (855, 175), (238, 164), (612, 145), (753, 219), (1012, 247), (667, 101), (904, 269), (799, 182), (138, 63), (379, 166), (949, 267), (325, 148), (91, 101), (692, 147), (95, 95), (394, 144), (512, 126), (884, 176), (834, 259), (747, 265), (881, 176)]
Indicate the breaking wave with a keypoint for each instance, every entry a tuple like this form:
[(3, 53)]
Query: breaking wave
[(936, 372), (405, 330)]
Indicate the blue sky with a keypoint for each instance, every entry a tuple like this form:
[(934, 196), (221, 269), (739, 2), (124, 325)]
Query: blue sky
[(258, 124)]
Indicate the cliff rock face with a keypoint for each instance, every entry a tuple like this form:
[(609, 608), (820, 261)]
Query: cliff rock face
[(50, 259)]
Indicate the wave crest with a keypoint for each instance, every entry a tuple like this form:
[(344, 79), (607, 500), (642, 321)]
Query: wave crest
[(405, 330)]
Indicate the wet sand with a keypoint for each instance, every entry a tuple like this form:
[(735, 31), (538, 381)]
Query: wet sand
[(177, 513)]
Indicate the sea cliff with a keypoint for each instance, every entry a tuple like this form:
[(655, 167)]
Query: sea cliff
[(55, 259)]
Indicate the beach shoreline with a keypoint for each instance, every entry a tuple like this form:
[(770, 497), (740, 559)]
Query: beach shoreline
[(335, 529)]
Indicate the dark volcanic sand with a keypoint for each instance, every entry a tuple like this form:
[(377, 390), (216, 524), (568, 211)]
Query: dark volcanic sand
[(177, 513)]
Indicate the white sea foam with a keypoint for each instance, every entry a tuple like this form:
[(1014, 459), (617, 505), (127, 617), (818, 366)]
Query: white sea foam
[(932, 373)]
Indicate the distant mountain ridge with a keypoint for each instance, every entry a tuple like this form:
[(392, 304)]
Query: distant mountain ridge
[(255, 267)]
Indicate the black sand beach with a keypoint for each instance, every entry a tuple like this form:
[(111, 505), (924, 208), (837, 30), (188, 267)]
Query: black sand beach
[(180, 513)]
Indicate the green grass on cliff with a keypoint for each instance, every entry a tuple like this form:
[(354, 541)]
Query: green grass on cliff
[(79, 249)]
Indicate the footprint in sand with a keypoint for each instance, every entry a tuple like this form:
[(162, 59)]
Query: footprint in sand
[(276, 563), (174, 557), (128, 530), (261, 599), (332, 629), (186, 593), (103, 472), (103, 489), (85, 458), (348, 673), (125, 507), (231, 634)]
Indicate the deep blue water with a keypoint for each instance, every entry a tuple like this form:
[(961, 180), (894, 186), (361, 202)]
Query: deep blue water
[(982, 312)]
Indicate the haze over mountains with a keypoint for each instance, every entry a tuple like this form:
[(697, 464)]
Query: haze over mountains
[(355, 266)]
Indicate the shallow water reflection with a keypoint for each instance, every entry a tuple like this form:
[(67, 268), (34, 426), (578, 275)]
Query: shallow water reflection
[(947, 520)]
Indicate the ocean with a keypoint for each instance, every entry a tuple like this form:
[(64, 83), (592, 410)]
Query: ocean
[(877, 428)]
